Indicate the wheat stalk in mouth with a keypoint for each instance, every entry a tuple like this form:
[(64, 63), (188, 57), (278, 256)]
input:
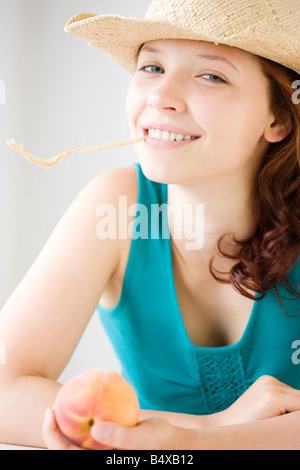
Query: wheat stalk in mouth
[(53, 161)]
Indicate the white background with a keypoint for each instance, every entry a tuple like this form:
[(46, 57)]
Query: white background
[(60, 94)]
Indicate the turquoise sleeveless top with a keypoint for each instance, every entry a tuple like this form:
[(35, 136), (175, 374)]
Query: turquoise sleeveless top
[(146, 329)]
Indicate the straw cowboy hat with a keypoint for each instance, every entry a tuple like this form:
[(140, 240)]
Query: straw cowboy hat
[(268, 28)]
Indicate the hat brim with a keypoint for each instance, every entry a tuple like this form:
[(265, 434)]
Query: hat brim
[(122, 36)]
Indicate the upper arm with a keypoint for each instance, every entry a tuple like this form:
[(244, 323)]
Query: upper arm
[(43, 320)]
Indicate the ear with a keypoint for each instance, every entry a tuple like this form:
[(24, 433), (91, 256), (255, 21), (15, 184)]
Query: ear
[(278, 130)]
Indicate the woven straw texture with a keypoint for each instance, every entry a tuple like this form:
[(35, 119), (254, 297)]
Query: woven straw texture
[(268, 28)]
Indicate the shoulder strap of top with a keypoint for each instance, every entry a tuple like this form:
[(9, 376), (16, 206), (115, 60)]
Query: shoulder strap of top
[(150, 192), (151, 220)]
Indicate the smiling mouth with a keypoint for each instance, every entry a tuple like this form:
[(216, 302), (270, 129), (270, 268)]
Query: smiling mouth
[(167, 136)]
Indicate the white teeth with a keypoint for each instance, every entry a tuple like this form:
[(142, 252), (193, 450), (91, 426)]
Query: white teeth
[(157, 134), (168, 136), (165, 135)]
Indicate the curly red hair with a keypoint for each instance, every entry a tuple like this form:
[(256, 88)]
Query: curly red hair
[(267, 257)]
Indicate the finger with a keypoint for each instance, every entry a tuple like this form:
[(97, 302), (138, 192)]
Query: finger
[(292, 400), (116, 436), (52, 436), (291, 396), (149, 434)]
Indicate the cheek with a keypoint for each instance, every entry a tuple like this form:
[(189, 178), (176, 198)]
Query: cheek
[(134, 103), (235, 121), (233, 130), (129, 105)]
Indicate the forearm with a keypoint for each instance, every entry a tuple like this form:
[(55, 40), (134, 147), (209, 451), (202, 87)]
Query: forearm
[(280, 433), (23, 402), (183, 420)]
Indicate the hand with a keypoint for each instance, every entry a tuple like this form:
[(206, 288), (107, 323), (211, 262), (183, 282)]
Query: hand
[(266, 398), (149, 434), (153, 433), (53, 439)]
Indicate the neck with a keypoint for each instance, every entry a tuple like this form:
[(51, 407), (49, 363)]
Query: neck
[(219, 208)]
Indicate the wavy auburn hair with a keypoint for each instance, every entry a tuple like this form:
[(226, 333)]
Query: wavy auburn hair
[(267, 257)]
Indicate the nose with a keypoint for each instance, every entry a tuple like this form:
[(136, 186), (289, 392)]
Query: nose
[(168, 95)]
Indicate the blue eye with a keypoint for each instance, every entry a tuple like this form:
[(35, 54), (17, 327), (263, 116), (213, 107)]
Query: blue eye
[(152, 69), (213, 78)]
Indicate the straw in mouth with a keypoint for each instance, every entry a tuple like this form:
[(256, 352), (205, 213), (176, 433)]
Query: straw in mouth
[(53, 161)]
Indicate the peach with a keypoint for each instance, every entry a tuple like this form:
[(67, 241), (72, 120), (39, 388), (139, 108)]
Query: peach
[(92, 397)]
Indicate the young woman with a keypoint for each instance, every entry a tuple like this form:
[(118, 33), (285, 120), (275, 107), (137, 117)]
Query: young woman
[(207, 336)]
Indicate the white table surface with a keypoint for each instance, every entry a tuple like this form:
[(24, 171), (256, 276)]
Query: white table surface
[(10, 447)]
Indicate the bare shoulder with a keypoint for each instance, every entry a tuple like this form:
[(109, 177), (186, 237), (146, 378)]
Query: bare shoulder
[(108, 197), (97, 207), (109, 186), (97, 211), (115, 193)]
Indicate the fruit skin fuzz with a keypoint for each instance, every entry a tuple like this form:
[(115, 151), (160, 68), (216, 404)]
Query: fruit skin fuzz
[(92, 397)]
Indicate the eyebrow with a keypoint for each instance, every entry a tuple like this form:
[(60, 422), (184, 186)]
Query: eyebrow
[(217, 57), (149, 48)]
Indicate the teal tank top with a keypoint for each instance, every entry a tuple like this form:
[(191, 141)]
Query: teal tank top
[(146, 329)]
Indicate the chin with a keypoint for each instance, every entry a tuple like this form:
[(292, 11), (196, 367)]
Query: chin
[(160, 172)]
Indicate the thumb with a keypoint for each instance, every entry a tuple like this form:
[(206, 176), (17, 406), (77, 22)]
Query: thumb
[(125, 438)]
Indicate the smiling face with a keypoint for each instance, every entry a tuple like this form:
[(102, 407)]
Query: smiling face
[(206, 109)]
